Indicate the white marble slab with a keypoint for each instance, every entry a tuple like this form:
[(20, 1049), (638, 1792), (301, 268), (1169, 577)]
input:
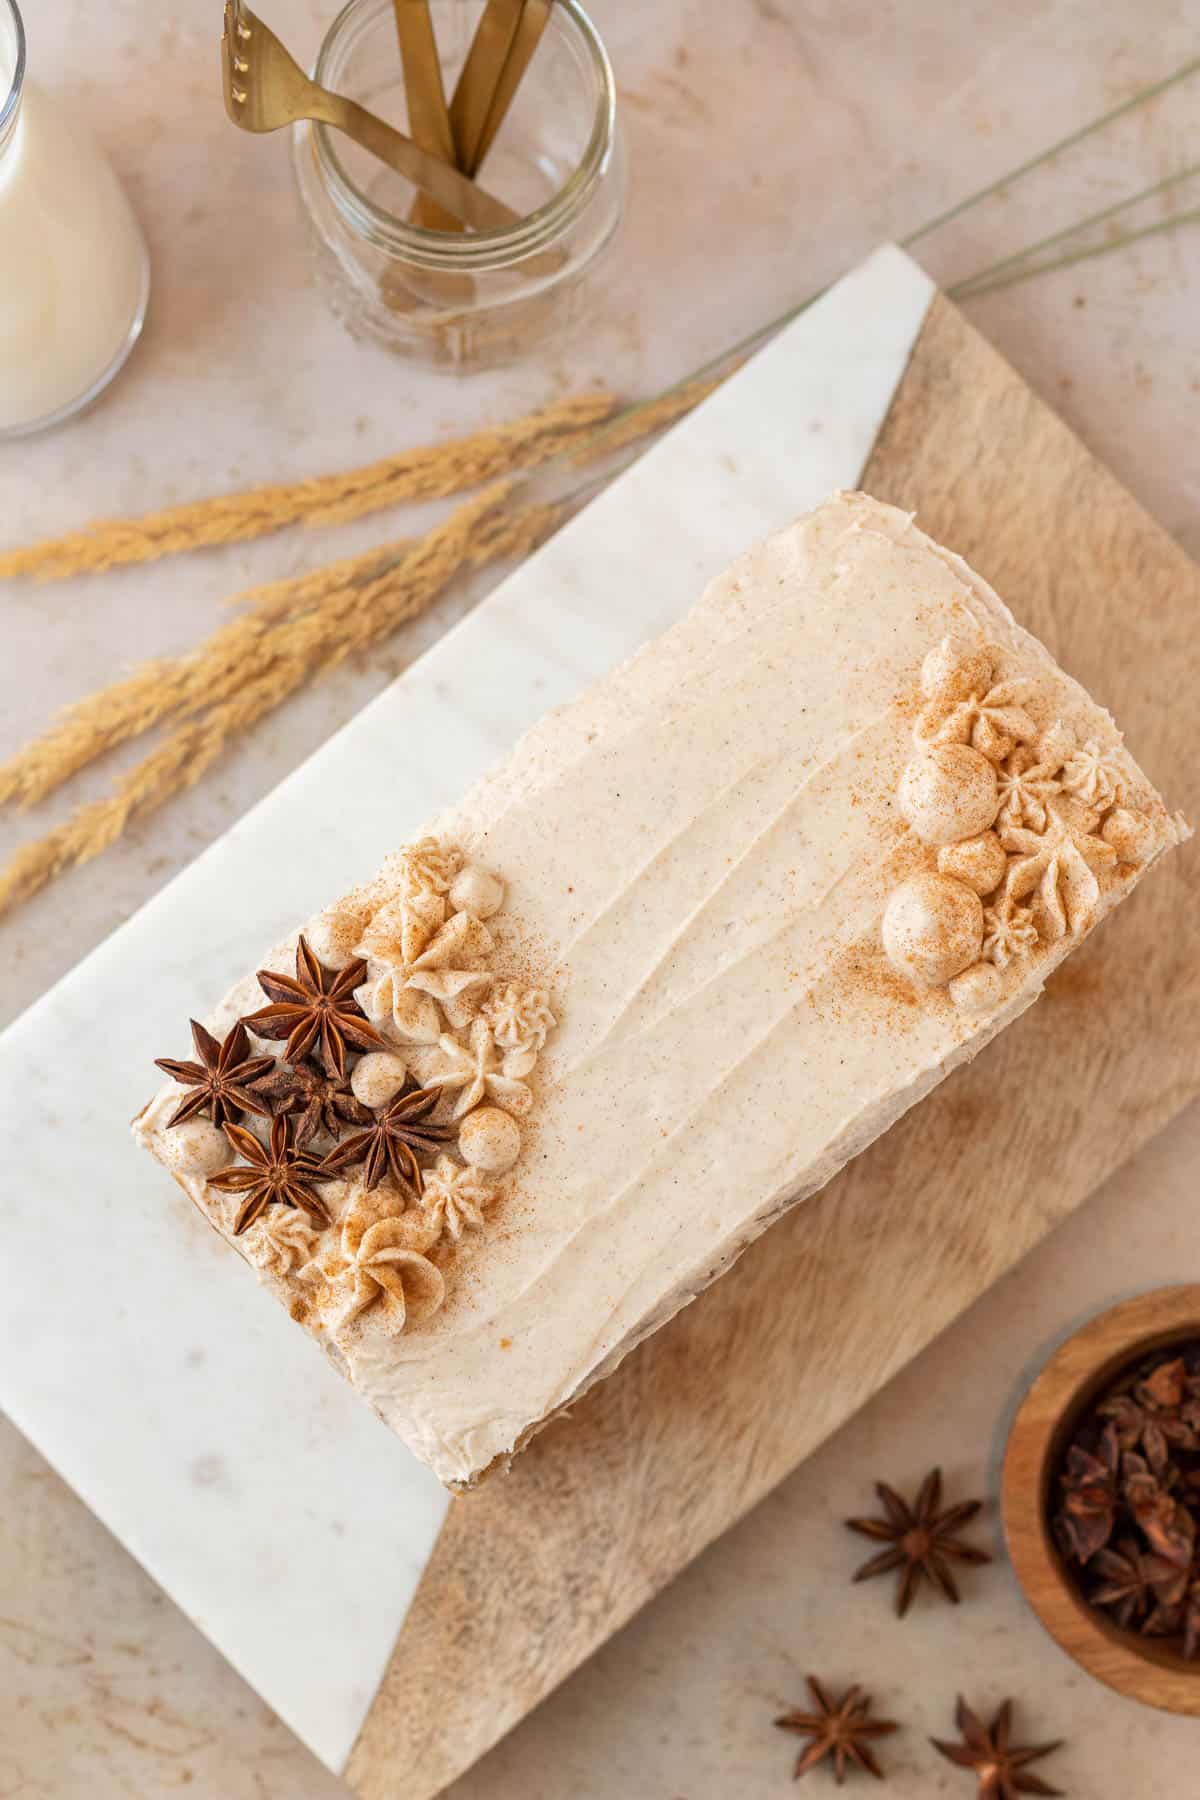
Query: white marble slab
[(204, 1428)]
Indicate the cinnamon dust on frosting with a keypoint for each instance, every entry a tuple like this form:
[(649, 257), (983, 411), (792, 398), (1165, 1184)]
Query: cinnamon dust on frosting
[(1025, 819), (697, 859), (362, 1243)]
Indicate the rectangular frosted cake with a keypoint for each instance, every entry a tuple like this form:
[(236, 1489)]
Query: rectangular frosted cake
[(487, 1122)]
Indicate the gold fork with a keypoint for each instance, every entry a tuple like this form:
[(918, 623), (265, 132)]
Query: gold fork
[(265, 88)]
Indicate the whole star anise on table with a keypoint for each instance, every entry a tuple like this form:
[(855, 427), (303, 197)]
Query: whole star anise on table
[(842, 1729), (315, 1008), (391, 1142), (322, 1102), (222, 1080), (999, 1765), (920, 1539), (274, 1174)]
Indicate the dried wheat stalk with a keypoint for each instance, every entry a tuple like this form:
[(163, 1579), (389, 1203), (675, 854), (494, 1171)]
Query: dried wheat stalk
[(634, 423), (168, 688), (164, 689), (429, 473), (376, 593), (161, 690), (288, 632)]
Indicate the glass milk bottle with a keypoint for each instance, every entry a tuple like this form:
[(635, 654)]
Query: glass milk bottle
[(74, 273)]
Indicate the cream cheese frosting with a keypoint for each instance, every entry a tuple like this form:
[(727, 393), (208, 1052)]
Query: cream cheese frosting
[(763, 888)]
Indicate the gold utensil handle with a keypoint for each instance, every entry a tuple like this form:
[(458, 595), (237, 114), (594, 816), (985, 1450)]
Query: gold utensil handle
[(265, 89), (445, 184), (428, 116), (490, 47), (533, 21)]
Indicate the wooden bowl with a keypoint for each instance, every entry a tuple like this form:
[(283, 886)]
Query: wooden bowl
[(1142, 1668)]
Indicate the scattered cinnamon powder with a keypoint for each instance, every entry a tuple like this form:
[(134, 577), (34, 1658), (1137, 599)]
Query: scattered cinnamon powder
[(864, 968)]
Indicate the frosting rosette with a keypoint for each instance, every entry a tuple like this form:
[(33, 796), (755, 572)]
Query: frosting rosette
[(379, 1264)]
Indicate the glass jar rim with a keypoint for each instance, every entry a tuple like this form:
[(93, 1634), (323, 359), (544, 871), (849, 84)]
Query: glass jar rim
[(11, 100), (484, 249)]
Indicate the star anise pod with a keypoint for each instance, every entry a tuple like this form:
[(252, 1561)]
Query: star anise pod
[(1191, 1622), (323, 1102), (275, 1174), (1156, 1432), (391, 1143), (1160, 1412), (1165, 1621), (1171, 1589), (1167, 1526), (316, 1006), (1089, 1504), (999, 1765), (1131, 1579), (1133, 1475), (1163, 1389), (1181, 1620), (1171, 1413), (220, 1081), (921, 1538), (841, 1728)]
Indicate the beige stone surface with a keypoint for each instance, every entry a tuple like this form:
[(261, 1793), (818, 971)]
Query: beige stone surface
[(771, 144)]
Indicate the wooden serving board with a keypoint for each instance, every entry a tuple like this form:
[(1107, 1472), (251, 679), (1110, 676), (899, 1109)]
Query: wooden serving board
[(535, 1570)]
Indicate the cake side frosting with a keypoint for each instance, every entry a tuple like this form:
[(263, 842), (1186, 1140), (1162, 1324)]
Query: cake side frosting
[(772, 878)]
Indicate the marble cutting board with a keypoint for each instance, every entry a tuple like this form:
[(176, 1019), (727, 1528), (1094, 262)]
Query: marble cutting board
[(204, 1429)]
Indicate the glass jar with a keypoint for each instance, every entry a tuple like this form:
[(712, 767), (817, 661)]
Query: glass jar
[(74, 272), (463, 300)]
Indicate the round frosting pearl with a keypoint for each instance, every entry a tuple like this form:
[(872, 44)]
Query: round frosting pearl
[(932, 928), (490, 1139), (978, 988), (980, 862), (949, 793), (196, 1148), (377, 1078), (1130, 834), (332, 935), (476, 891), (952, 671)]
